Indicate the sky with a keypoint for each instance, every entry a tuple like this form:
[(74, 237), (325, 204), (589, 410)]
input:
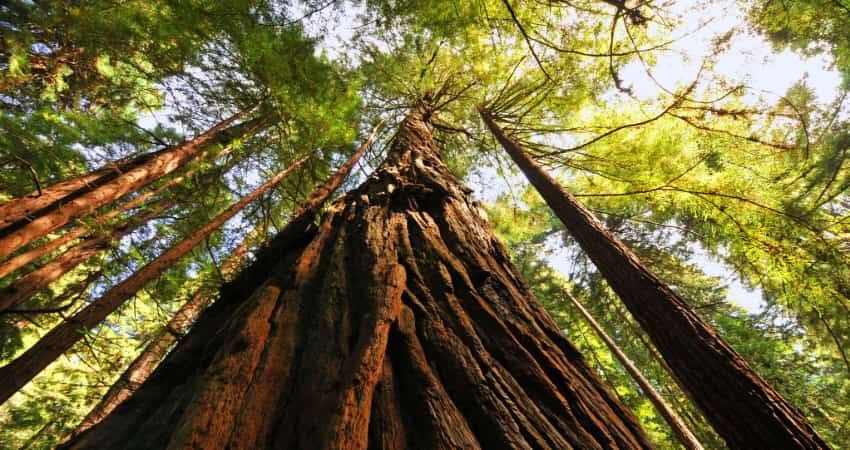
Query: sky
[(748, 60)]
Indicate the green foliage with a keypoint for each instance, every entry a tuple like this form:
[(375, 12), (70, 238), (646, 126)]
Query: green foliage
[(811, 26), (700, 169)]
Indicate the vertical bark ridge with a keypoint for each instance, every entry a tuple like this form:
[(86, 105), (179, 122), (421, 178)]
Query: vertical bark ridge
[(160, 403), (700, 359), (387, 332)]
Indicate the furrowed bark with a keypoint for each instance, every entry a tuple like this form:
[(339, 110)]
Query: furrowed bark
[(686, 437), (23, 232), (142, 367), (18, 261), (717, 378), (20, 371), (33, 282), (401, 324), (277, 257)]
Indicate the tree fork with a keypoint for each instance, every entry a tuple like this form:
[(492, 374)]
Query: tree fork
[(686, 437), (22, 232), (718, 379), (20, 371), (401, 324)]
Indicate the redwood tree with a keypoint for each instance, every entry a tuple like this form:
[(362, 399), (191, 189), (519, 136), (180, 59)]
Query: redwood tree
[(722, 384), (62, 337), (29, 218), (398, 323), (39, 279)]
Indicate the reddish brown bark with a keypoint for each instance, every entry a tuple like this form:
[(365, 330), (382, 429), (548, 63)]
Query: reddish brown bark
[(51, 218), (400, 323), (20, 371), (18, 261), (744, 410), (142, 367), (33, 282), (20, 209), (686, 437)]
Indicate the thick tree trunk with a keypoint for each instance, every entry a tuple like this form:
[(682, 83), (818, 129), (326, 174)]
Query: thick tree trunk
[(142, 367), (23, 232), (400, 324), (33, 282), (740, 405), (688, 440), (18, 261), (20, 371)]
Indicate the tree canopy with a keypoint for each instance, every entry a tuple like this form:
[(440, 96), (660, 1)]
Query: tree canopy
[(722, 186)]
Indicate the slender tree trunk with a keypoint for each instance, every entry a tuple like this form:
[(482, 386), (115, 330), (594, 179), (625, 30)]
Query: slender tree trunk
[(23, 232), (142, 367), (33, 282), (741, 406), (20, 371), (400, 324), (18, 261), (17, 210), (676, 424)]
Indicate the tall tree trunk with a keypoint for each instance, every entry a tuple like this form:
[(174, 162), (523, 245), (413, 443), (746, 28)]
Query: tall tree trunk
[(33, 282), (673, 420), (744, 410), (16, 262), (22, 232), (142, 367), (17, 210), (400, 323), (63, 336)]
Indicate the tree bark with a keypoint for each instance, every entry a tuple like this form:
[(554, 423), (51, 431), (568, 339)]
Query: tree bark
[(18, 261), (142, 367), (688, 440), (33, 282), (744, 410), (22, 232), (17, 210), (20, 371), (399, 323)]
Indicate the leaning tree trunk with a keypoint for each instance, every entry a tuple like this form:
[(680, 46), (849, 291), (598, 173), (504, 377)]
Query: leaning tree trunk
[(18, 261), (744, 410), (62, 337), (24, 231), (19, 209), (399, 323), (686, 437), (34, 282)]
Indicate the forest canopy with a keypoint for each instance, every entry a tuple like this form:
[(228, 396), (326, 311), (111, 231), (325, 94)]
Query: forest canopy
[(153, 153)]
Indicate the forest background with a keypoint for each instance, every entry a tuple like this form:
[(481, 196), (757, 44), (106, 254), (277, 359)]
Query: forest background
[(715, 174)]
